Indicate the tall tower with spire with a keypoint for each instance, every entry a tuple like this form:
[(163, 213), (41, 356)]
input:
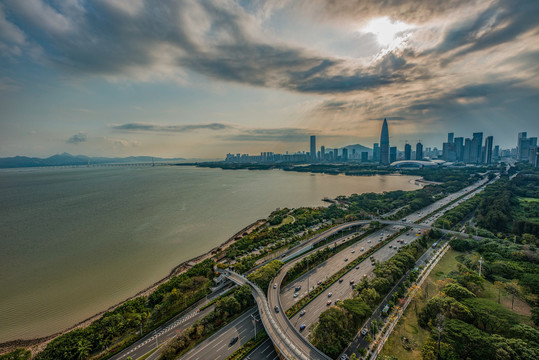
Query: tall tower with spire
[(384, 144)]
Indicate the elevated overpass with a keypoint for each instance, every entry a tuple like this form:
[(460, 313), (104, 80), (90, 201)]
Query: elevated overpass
[(289, 344)]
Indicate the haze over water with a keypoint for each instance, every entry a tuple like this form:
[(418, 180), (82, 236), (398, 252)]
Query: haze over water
[(75, 241)]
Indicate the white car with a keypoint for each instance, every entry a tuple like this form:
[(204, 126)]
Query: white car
[(361, 249), (296, 295), (353, 251), (329, 295)]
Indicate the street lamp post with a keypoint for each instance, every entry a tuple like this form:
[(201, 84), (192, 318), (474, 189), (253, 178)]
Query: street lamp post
[(254, 323)]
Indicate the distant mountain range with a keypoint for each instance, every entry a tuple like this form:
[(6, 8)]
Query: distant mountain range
[(68, 159), (358, 148)]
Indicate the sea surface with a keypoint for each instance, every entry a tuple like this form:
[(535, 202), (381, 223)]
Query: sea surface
[(74, 241)]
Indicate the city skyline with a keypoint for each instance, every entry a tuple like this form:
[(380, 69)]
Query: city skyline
[(199, 80)]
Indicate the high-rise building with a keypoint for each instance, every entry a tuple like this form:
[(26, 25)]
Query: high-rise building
[(522, 145), (364, 156), (534, 156), (459, 148), (407, 151), (313, 147), (496, 153), (419, 151), (335, 154), (322, 153), (344, 154), (488, 149), (376, 152), (467, 150), (384, 144), (477, 146), (450, 137), (392, 154), (448, 151)]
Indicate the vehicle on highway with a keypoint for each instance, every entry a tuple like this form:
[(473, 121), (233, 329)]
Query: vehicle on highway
[(364, 331), (275, 286), (346, 259), (361, 249), (296, 295), (276, 309), (318, 282), (302, 312), (328, 303), (302, 327), (369, 241), (340, 281), (329, 295), (353, 251), (298, 288), (233, 341), (357, 267), (390, 246), (345, 357), (352, 282)]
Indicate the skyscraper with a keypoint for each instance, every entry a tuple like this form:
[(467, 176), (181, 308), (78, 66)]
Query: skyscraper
[(496, 153), (524, 145), (364, 156), (450, 137), (477, 147), (392, 154), (407, 151), (467, 150), (488, 149), (322, 153), (313, 147), (376, 152), (459, 148), (344, 154), (335, 154), (419, 151), (384, 144)]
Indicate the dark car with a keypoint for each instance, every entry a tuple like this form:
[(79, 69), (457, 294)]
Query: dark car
[(298, 288), (340, 281), (302, 327), (233, 341), (276, 309)]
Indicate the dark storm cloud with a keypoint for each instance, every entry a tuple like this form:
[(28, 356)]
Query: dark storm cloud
[(170, 128), (219, 39), (97, 38), (494, 26), (76, 139), (408, 10)]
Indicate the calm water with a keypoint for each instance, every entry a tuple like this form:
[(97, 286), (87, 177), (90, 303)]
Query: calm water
[(75, 241)]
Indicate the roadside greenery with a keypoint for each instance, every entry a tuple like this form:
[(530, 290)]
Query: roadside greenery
[(122, 326), (19, 354), (513, 267), (263, 276), (339, 324), (226, 310), (463, 324)]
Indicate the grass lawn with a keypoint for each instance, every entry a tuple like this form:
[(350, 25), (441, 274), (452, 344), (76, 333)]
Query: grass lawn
[(287, 220), (407, 326), (528, 199)]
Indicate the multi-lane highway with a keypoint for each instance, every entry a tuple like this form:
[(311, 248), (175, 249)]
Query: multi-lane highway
[(342, 290), (209, 348), (218, 346)]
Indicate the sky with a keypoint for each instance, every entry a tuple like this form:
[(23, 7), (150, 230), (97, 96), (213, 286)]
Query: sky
[(202, 78)]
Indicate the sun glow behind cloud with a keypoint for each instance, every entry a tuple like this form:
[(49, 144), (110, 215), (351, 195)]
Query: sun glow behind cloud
[(389, 34)]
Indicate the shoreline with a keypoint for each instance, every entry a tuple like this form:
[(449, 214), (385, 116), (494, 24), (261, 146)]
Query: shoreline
[(37, 344)]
